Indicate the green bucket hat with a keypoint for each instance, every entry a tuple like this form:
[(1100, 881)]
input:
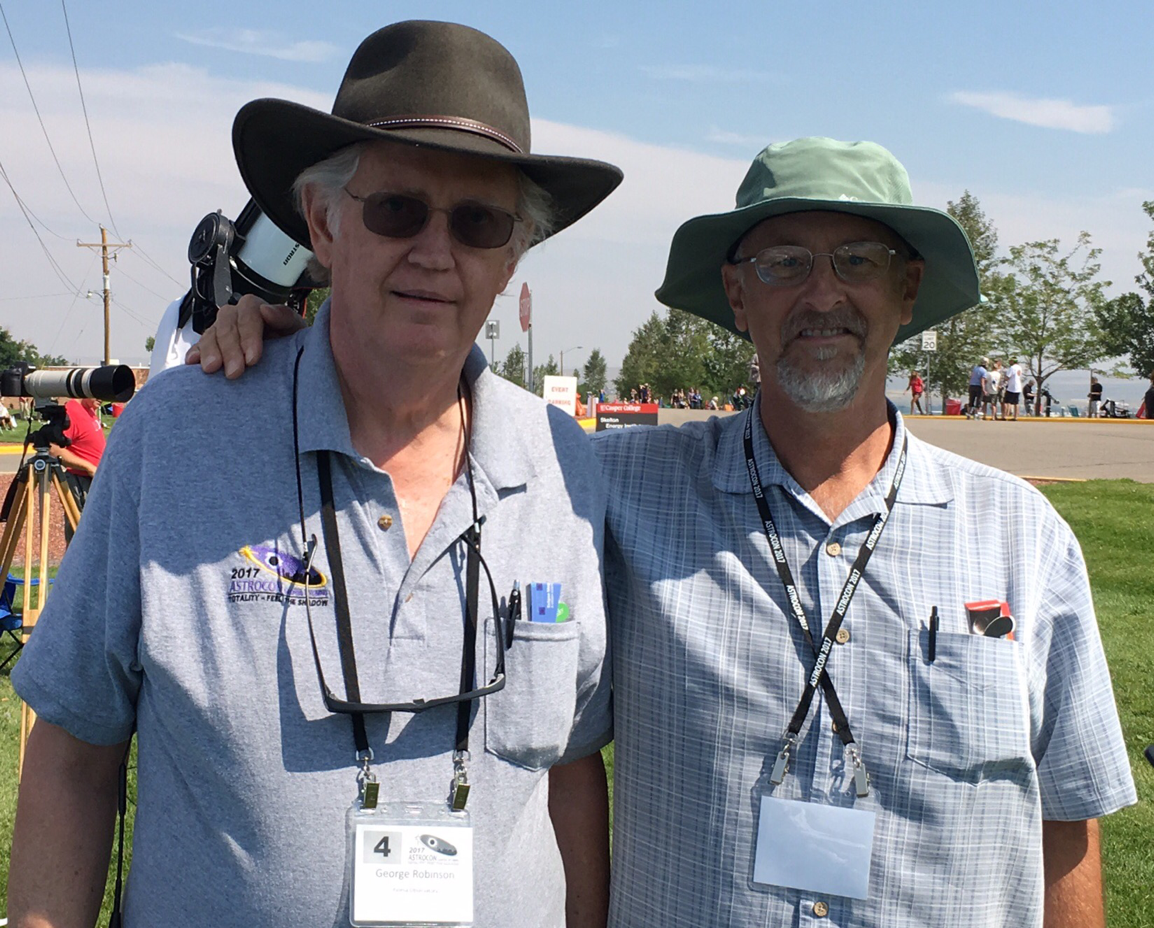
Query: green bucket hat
[(423, 84), (860, 178)]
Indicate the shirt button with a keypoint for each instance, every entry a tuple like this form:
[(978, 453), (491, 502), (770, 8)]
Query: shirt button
[(833, 549), (820, 909), (385, 522), (842, 635)]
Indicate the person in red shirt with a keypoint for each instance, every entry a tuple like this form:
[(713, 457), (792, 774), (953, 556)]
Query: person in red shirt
[(918, 386), (80, 457)]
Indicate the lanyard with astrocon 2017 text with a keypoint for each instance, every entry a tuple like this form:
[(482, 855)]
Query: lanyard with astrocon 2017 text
[(819, 676)]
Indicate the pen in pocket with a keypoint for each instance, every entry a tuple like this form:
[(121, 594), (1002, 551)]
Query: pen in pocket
[(514, 613), (933, 649)]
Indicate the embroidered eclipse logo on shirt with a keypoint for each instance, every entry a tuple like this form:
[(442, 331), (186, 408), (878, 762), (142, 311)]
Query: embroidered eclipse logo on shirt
[(273, 575)]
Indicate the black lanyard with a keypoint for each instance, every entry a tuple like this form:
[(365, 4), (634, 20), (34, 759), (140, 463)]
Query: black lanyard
[(352, 705), (819, 676)]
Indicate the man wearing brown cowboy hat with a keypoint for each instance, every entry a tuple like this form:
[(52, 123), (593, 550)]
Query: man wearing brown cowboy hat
[(342, 713), (827, 710)]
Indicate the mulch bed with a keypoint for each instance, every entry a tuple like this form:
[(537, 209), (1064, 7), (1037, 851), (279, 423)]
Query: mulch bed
[(55, 533)]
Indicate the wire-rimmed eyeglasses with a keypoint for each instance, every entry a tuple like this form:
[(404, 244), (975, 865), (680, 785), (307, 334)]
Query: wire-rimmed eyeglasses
[(790, 265)]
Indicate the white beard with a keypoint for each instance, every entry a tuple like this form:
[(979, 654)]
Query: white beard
[(825, 390)]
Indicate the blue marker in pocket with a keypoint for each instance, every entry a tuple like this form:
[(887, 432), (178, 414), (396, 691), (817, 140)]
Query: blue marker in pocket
[(545, 603)]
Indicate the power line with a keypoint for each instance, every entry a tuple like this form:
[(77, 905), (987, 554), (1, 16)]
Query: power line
[(36, 296), (28, 209), (71, 306), (148, 260), (84, 109), (43, 128), (125, 273), (57, 269), (129, 312)]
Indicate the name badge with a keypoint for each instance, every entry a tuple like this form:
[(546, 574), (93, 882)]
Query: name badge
[(822, 849), (411, 864)]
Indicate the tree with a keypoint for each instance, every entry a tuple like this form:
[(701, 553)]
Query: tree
[(594, 376), (681, 351), (1052, 302), (150, 343), (541, 371), (513, 368), (14, 351), (970, 335), (1127, 321), (314, 300)]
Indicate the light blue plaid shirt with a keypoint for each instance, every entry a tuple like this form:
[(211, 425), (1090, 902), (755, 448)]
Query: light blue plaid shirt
[(967, 755)]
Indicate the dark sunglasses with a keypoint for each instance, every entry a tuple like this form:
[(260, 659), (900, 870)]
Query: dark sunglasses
[(400, 215)]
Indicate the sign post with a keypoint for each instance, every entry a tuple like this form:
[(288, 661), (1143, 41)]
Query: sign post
[(526, 316), (492, 332), (929, 345)]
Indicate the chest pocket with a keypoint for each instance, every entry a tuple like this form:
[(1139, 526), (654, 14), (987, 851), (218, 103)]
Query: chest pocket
[(529, 721), (967, 710)]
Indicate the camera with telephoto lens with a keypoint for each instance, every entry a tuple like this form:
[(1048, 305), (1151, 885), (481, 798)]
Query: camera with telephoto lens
[(114, 383)]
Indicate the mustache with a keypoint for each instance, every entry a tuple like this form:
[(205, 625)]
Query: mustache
[(845, 317)]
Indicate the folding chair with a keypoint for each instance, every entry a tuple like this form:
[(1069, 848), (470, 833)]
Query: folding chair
[(11, 621)]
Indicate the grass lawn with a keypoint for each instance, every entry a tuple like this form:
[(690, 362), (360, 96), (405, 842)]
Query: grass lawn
[(1112, 519)]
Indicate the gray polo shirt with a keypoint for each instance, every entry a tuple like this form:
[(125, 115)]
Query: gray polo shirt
[(168, 614)]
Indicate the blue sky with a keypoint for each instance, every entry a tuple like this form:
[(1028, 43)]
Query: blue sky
[(1043, 111)]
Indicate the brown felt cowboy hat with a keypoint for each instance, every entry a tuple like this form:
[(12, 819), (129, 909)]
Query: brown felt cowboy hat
[(428, 84)]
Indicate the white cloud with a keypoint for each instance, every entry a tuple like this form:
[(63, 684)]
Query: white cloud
[(724, 137), (260, 42), (1050, 114), (703, 73)]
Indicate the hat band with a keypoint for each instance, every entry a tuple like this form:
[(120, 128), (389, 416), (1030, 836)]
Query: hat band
[(449, 122)]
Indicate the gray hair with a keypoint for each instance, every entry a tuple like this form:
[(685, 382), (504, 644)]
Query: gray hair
[(329, 178)]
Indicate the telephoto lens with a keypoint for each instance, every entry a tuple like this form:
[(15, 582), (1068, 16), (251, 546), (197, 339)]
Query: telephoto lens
[(114, 383)]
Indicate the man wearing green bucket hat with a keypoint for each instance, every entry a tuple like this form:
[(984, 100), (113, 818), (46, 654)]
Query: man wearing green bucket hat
[(826, 707), (826, 704)]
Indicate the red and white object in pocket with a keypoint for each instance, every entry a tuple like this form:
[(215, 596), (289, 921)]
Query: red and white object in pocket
[(991, 618)]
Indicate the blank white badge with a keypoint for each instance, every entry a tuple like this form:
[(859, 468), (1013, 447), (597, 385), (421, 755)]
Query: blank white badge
[(823, 849)]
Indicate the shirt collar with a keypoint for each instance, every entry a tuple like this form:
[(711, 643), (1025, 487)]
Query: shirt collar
[(499, 452), (322, 421), (923, 483)]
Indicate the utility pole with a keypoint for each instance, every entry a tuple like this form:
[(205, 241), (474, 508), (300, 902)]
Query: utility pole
[(104, 245)]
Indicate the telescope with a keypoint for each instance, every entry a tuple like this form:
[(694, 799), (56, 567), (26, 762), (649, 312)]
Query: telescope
[(231, 259), (114, 383), (228, 260)]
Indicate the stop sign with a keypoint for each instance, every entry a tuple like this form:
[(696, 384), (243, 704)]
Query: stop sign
[(526, 307)]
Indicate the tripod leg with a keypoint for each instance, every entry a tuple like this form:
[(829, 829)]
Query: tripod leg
[(32, 613), (11, 539), (45, 529), (67, 500)]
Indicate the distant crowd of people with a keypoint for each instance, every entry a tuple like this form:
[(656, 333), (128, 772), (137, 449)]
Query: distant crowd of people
[(692, 397)]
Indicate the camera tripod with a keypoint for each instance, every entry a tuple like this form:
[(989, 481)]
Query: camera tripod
[(29, 495)]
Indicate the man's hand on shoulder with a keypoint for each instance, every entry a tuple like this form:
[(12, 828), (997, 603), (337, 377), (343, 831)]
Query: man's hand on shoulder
[(235, 341)]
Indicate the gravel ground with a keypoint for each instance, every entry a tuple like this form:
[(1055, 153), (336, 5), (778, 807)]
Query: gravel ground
[(55, 534)]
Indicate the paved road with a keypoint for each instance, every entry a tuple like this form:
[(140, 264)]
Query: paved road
[(1057, 448)]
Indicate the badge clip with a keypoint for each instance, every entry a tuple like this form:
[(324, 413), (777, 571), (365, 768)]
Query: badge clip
[(861, 777), (781, 765), (370, 789), (459, 785)]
